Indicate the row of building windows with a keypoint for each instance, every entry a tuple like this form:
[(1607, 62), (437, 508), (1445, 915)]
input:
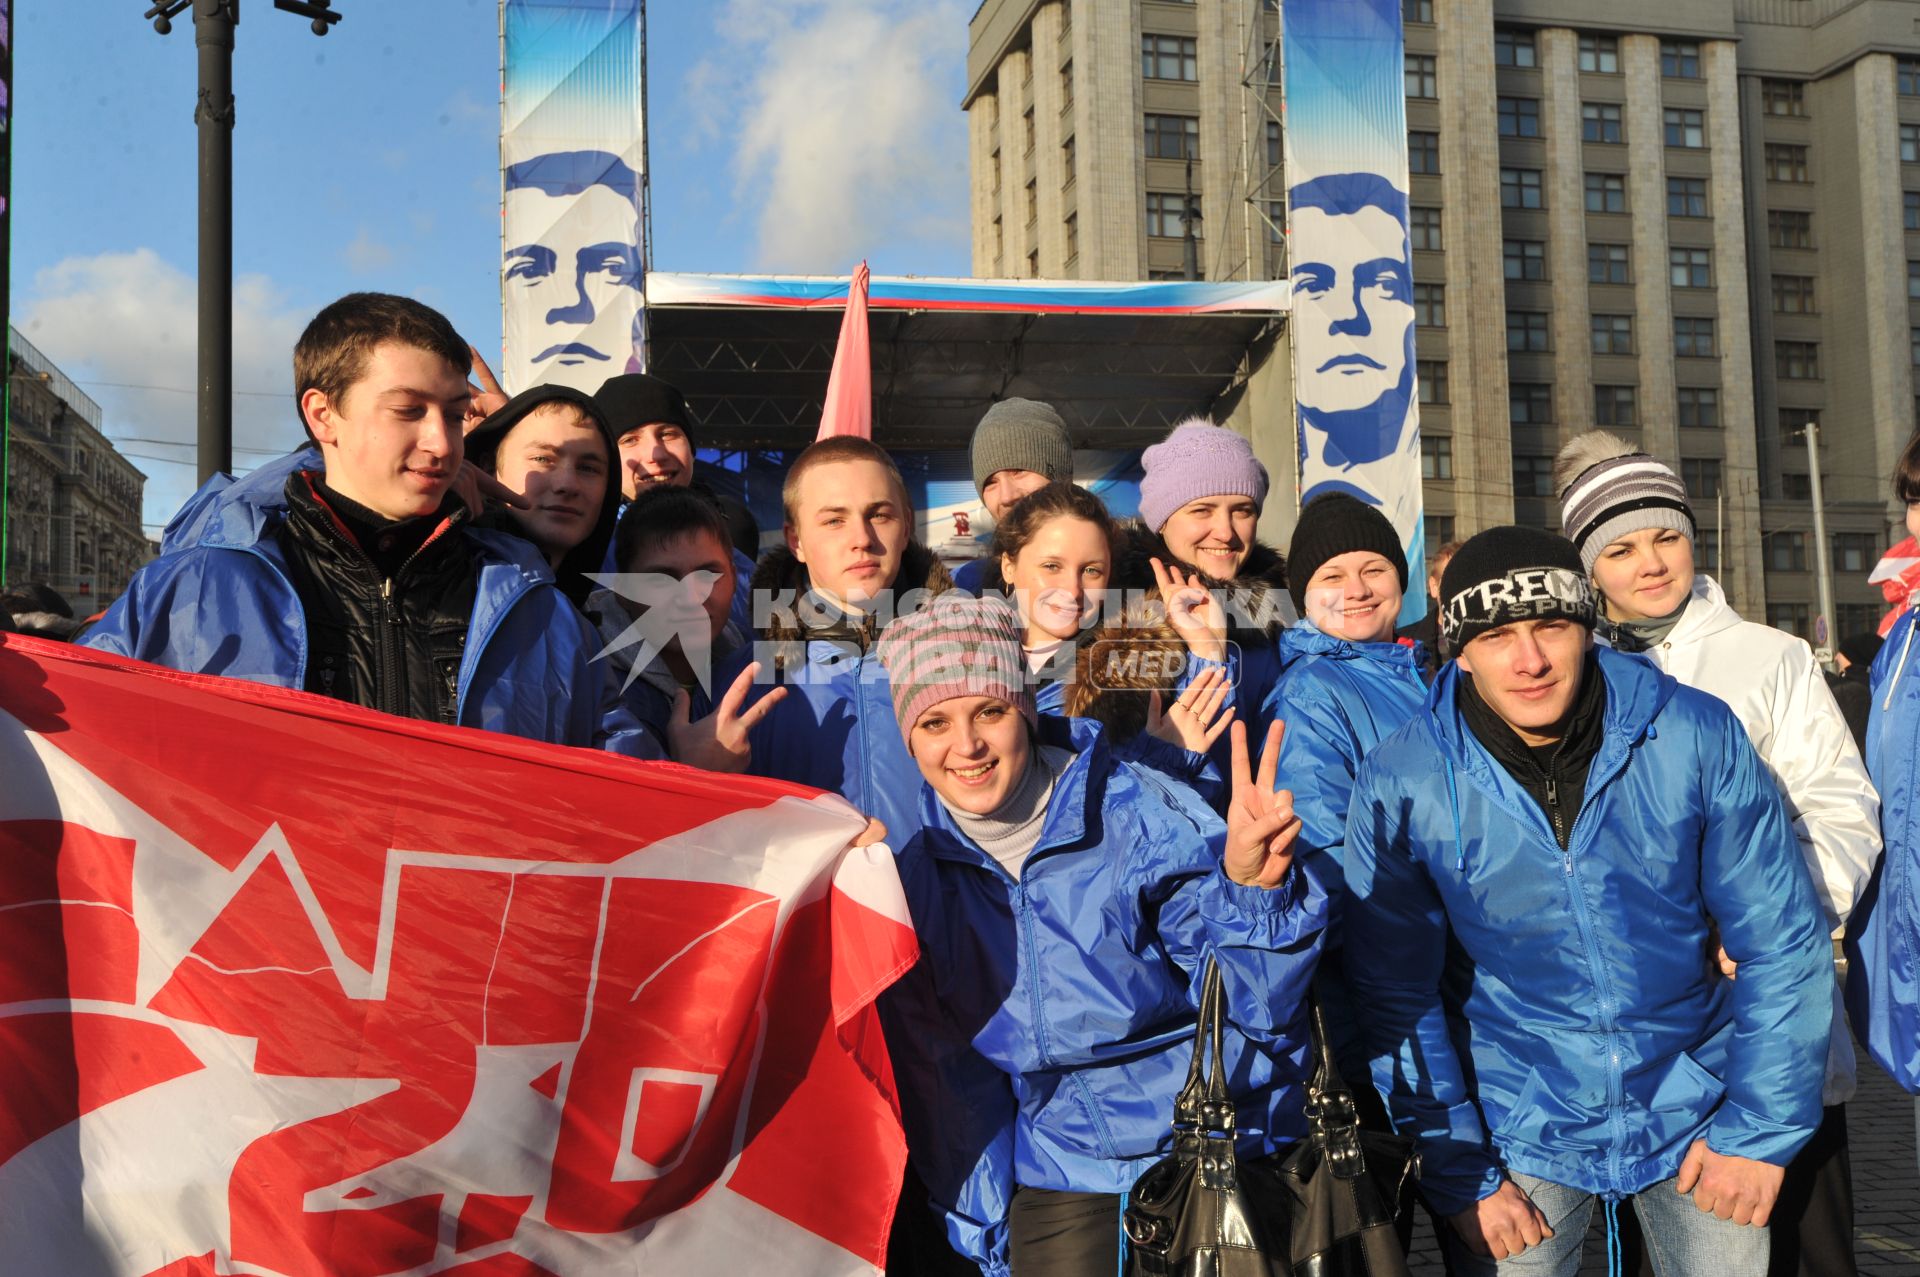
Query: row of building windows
[(1695, 407), (1530, 332), (1602, 122), (1173, 57), (1600, 54), (1525, 188)]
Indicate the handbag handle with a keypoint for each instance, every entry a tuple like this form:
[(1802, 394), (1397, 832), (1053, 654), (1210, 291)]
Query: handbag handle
[(1332, 1120), (1204, 1107)]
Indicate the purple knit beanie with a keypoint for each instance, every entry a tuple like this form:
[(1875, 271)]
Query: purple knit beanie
[(955, 646), (1198, 459)]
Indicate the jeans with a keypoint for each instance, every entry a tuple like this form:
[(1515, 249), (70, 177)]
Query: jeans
[(1683, 1240)]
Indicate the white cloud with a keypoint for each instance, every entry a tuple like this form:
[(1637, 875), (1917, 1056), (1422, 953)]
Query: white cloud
[(365, 254), (847, 122), (125, 327)]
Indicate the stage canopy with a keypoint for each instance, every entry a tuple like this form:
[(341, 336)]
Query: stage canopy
[(1121, 361)]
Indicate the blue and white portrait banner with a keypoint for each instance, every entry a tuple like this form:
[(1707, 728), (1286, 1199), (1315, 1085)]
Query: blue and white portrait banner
[(1351, 268), (573, 190)]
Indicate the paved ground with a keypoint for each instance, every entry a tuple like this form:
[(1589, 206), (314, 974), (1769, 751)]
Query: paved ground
[(1886, 1186)]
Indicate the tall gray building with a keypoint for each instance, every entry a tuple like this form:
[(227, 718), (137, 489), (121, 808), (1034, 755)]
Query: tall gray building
[(73, 502), (1682, 221)]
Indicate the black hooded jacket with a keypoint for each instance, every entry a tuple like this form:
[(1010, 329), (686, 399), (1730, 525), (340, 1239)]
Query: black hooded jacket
[(483, 449)]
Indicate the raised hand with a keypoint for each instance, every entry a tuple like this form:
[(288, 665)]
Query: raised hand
[(1261, 825), (719, 742), (487, 397), (1195, 611), (1187, 723), (474, 486)]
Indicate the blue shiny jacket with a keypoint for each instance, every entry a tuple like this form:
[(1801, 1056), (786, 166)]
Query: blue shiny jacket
[(1552, 1011), (1883, 935), (219, 601), (1338, 699), (835, 730), (1043, 1036)]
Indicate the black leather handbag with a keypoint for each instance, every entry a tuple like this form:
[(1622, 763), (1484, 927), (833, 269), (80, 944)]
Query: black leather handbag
[(1326, 1209)]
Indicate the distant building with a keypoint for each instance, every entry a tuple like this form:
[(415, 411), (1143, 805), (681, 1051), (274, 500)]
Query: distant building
[(73, 502), (1696, 223)]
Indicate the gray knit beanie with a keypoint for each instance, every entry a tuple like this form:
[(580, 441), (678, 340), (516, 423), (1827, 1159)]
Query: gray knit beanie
[(1616, 495), (1021, 434)]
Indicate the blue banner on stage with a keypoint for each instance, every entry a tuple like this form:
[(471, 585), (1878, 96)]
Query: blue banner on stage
[(1351, 265), (573, 190)]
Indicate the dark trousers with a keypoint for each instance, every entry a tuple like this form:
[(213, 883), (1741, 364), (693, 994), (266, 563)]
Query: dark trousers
[(917, 1246), (1811, 1228), (1053, 1233)]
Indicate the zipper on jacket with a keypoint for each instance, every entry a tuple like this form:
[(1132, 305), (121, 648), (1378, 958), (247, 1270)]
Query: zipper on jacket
[(1554, 813), (393, 693), (393, 642), (1021, 907)]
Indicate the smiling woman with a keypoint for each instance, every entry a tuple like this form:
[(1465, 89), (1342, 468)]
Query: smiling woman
[(1066, 904)]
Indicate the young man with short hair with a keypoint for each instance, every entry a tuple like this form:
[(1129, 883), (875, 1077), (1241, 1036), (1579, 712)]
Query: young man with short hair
[(1536, 863), (849, 567), (359, 577)]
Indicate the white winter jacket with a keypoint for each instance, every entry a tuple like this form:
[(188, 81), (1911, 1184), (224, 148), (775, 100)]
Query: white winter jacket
[(1769, 679)]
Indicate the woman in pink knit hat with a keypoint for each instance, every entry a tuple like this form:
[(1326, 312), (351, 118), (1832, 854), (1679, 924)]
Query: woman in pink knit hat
[(1201, 591)]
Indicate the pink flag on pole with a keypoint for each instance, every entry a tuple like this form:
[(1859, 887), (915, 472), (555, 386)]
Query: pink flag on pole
[(849, 406)]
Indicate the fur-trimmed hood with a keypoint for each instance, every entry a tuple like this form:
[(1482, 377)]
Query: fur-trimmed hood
[(1132, 652), (780, 584)]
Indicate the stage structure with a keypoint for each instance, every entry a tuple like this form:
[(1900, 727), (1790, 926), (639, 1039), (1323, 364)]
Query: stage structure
[(1121, 361)]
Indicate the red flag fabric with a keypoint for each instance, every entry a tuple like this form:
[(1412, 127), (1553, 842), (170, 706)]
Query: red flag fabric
[(1898, 576), (849, 406), (295, 988)]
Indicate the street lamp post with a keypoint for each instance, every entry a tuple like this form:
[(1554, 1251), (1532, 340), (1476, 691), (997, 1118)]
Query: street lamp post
[(213, 24)]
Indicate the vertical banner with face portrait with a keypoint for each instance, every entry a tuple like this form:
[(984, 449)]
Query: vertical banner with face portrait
[(1352, 272), (573, 190)]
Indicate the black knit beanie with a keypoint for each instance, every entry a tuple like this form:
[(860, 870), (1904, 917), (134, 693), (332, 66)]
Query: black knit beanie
[(1335, 524), (1512, 574), (634, 399)]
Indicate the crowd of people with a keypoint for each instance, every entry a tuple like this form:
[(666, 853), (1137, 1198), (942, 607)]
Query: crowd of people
[(1563, 872)]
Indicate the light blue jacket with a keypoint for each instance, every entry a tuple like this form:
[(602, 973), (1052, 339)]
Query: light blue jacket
[(1883, 935), (1553, 1012), (1047, 1028), (1339, 700)]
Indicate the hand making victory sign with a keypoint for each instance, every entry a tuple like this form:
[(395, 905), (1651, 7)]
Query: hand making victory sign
[(1261, 824)]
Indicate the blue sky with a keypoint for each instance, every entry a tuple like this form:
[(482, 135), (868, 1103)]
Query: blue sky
[(785, 135)]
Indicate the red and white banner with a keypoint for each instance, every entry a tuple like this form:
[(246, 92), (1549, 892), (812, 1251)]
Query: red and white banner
[(292, 988)]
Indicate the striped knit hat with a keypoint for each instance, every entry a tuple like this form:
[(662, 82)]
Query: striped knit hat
[(1615, 495), (955, 646)]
